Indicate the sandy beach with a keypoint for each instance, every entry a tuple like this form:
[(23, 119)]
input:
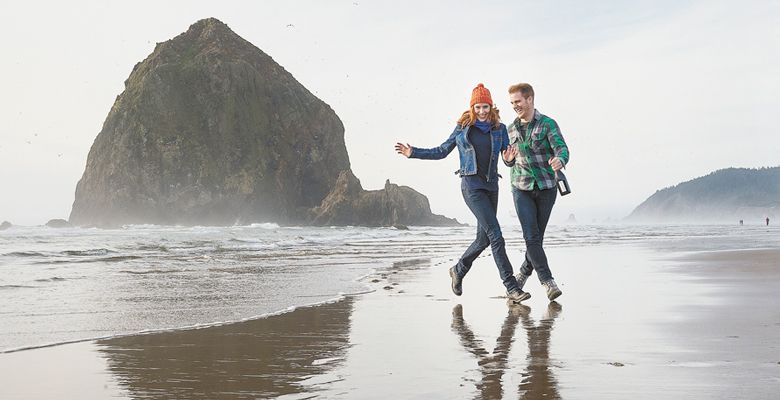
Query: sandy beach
[(634, 322)]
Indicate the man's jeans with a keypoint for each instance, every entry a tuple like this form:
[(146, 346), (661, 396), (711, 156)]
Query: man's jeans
[(484, 204), (533, 209)]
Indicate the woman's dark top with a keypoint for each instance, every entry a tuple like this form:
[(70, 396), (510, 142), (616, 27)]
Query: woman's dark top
[(482, 150)]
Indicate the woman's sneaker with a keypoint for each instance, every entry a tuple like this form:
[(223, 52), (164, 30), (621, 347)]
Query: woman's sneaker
[(457, 282), (518, 295), (552, 289)]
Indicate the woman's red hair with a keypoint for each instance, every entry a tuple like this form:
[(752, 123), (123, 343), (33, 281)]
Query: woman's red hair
[(469, 117)]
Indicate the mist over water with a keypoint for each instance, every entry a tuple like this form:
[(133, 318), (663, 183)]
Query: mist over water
[(60, 285)]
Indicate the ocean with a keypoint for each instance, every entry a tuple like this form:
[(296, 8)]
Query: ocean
[(67, 285)]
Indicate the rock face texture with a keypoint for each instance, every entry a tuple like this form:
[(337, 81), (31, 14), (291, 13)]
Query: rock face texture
[(211, 131), (727, 195)]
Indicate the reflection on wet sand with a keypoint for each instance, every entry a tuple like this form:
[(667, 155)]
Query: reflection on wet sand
[(538, 380), (262, 358)]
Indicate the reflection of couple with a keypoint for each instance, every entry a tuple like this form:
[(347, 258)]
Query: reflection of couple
[(538, 380), (535, 150)]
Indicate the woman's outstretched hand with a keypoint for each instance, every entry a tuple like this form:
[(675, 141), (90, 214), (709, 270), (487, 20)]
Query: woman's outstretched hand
[(509, 154), (404, 149)]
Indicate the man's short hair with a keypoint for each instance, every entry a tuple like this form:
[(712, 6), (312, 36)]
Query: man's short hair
[(525, 89)]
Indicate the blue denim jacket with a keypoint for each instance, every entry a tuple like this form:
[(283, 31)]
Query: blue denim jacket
[(468, 159)]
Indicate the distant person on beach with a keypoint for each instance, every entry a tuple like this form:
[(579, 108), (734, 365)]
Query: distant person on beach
[(767, 221), (541, 151), (479, 136), (741, 222)]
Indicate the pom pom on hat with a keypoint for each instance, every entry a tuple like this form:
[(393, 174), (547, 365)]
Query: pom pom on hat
[(480, 94)]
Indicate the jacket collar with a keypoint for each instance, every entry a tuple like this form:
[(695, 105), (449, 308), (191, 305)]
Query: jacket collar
[(466, 128)]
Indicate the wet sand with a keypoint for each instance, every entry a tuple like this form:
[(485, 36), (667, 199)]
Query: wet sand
[(630, 324)]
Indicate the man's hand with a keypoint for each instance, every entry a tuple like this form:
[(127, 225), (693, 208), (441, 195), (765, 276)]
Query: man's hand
[(555, 163), (509, 154), (406, 150)]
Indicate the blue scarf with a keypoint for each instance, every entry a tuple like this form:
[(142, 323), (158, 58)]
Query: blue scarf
[(483, 126)]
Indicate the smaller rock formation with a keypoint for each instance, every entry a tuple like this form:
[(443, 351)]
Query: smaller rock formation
[(349, 204), (58, 223), (5, 225)]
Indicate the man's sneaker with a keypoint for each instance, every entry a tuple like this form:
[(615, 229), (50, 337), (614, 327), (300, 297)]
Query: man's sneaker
[(553, 311), (518, 309), (457, 282), (518, 295), (552, 289), (521, 278)]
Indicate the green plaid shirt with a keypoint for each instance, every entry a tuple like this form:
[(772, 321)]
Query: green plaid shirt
[(531, 168)]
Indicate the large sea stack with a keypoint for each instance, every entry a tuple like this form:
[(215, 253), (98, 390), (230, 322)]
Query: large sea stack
[(211, 131)]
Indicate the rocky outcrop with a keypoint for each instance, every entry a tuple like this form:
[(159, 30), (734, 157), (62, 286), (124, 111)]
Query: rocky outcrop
[(5, 225), (58, 223), (211, 131), (349, 204), (726, 195)]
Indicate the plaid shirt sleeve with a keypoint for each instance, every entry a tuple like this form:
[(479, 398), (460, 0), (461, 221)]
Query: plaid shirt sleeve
[(556, 141)]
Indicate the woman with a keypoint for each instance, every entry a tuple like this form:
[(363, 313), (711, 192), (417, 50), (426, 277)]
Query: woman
[(480, 137)]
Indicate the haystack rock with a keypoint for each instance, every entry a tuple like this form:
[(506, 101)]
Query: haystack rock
[(211, 131)]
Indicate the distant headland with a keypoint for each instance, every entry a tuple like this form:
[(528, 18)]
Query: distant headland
[(726, 195)]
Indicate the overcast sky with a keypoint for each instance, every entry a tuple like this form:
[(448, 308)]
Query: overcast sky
[(647, 93)]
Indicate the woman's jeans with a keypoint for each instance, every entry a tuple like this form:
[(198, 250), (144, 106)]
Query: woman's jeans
[(484, 204), (533, 209)]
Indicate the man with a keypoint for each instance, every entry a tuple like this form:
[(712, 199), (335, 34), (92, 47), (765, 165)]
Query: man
[(541, 151)]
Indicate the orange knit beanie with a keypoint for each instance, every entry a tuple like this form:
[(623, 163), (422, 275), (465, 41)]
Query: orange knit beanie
[(480, 94)]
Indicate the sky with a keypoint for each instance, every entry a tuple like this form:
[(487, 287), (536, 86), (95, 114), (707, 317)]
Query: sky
[(648, 94)]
